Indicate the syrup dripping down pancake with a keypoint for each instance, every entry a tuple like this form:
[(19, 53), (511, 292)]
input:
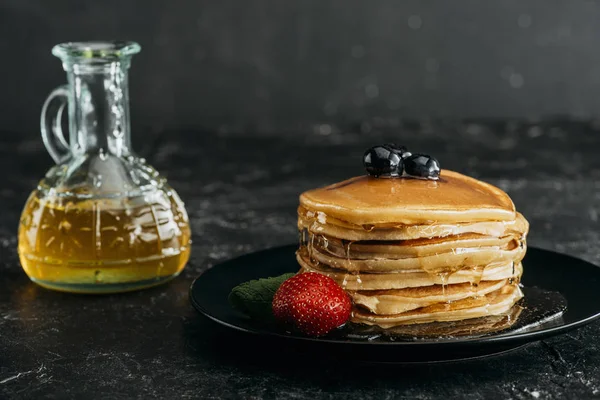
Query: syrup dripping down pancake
[(465, 327), (408, 248), (401, 300), (369, 281), (497, 302), (319, 223), (412, 251), (449, 261)]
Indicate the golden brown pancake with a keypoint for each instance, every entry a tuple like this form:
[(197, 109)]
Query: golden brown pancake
[(408, 248), (319, 223), (497, 302), (448, 261), (401, 300), (466, 327), (455, 198), (369, 281)]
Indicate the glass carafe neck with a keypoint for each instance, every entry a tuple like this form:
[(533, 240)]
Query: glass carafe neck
[(99, 112), (99, 96)]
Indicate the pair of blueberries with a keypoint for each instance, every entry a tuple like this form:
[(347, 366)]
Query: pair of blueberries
[(390, 160)]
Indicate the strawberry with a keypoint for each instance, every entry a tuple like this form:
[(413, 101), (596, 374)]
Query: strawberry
[(314, 303)]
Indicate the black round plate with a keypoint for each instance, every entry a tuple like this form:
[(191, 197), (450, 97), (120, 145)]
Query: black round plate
[(577, 280)]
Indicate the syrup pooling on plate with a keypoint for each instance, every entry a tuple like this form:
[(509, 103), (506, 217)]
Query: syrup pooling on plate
[(539, 309), (415, 251)]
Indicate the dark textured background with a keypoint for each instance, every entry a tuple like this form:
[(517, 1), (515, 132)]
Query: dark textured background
[(152, 343), (269, 65), (243, 105)]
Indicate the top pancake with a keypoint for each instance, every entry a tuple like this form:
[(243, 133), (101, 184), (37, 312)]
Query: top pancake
[(454, 198)]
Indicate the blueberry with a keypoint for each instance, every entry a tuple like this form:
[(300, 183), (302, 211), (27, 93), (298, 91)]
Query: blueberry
[(383, 161), (422, 166)]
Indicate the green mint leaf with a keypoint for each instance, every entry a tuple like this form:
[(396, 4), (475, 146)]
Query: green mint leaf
[(254, 298)]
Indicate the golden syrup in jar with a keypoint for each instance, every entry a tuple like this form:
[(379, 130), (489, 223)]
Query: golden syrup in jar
[(101, 220), (104, 245)]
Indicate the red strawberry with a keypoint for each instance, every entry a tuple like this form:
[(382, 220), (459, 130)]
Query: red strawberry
[(312, 302)]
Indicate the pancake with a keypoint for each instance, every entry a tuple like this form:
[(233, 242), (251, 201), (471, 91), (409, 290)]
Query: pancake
[(401, 300), (465, 327), (454, 198), (319, 223), (449, 261), (494, 303), (367, 281), (406, 248), (364, 250)]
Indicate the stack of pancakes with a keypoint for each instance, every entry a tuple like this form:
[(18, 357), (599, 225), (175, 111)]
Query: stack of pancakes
[(412, 251)]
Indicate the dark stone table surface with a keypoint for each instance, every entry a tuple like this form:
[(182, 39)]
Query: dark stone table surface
[(241, 193)]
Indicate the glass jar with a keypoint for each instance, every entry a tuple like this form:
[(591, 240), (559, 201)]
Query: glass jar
[(101, 220)]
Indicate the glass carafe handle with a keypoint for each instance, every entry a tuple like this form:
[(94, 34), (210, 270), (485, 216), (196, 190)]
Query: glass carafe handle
[(51, 124)]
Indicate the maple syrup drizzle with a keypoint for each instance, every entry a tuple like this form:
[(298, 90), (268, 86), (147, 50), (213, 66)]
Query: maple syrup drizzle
[(316, 220), (444, 280)]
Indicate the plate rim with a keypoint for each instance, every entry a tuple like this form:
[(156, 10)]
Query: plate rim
[(500, 338)]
